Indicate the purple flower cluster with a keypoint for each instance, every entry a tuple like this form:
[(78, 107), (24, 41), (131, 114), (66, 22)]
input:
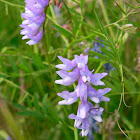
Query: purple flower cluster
[(84, 90), (34, 17)]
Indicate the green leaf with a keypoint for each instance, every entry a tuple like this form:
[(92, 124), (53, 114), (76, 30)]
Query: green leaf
[(138, 1), (36, 60), (60, 28), (2, 65), (76, 2), (12, 62), (98, 21), (100, 55), (129, 86), (19, 106), (76, 41), (102, 42), (24, 64), (92, 59), (52, 111), (44, 104), (102, 28), (29, 102), (36, 104), (82, 5), (93, 29), (108, 53), (130, 5), (74, 12), (31, 113), (121, 8), (127, 122)]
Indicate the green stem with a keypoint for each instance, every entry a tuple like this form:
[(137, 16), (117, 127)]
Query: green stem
[(75, 133), (45, 44), (11, 4), (101, 64)]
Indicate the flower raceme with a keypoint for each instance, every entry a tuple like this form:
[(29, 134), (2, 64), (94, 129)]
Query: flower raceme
[(84, 90), (34, 18)]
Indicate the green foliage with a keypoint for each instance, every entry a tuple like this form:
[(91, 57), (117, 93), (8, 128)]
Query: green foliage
[(28, 95)]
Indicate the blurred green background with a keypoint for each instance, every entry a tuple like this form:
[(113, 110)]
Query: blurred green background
[(29, 107)]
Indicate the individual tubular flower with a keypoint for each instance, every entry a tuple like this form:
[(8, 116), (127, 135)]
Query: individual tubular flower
[(69, 98), (34, 17), (97, 96), (67, 64), (68, 77), (83, 90)]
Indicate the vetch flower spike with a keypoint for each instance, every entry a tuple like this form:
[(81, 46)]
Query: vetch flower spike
[(34, 17), (83, 90)]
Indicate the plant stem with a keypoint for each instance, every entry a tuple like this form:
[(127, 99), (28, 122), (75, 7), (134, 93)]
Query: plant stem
[(75, 133), (45, 44)]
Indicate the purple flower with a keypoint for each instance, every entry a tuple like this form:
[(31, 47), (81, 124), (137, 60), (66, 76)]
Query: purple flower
[(9, 138), (82, 118), (67, 64), (69, 98), (96, 114), (34, 18), (81, 61), (97, 96), (83, 90), (67, 77)]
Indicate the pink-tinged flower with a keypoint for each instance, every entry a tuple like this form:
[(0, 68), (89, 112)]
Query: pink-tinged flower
[(57, 2), (34, 17), (67, 26), (83, 90), (64, 26), (60, 5)]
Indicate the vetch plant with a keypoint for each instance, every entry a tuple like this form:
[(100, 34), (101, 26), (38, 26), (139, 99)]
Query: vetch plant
[(84, 90), (34, 18)]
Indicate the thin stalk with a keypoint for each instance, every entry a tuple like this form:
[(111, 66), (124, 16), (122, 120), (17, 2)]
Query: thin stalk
[(85, 138), (122, 99), (121, 18), (106, 18), (122, 85), (47, 55), (103, 132), (101, 64), (75, 133), (11, 122), (11, 4)]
